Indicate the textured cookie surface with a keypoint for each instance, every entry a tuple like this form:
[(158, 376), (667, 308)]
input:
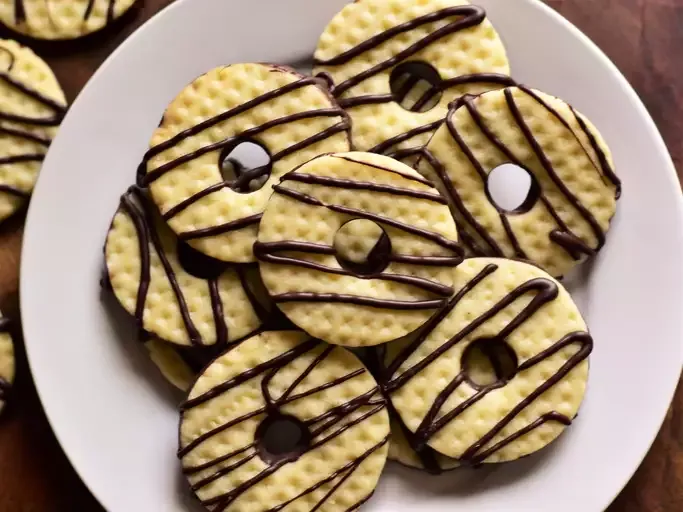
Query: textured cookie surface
[(61, 19), (572, 199), (290, 116), (175, 293), (31, 107), (277, 383), (180, 365), (500, 304), (372, 43), (6, 361), (325, 215)]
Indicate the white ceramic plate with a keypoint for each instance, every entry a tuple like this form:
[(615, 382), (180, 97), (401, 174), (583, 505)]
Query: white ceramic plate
[(111, 415)]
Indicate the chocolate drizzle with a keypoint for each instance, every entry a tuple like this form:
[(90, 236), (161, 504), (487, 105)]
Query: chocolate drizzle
[(280, 252), (18, 132), (140, 211), (562, 236), (336, 419), (544, 291)]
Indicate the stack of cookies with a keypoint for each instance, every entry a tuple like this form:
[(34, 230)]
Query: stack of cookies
[(361, 295)]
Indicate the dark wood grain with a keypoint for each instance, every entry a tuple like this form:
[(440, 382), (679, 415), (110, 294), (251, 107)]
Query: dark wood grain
[(643, 37)]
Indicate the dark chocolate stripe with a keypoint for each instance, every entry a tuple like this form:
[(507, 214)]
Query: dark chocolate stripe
[(412, 177), (267, 252), (389, 143), (471, 17), (337, 298), (277, 362), (13, 191), (19, 12), (5, 325), (218, 314), (35, 157), (548, 166), (607, 169), (585, 341), (443, 85), (426, 234), (328, 181), (13, 132), (143, 220), (221, 229), (156, 173), (49, 103), (551, 416), (313, 248), (353, 212)]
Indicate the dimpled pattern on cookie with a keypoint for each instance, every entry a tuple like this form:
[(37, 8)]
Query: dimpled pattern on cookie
[(573, 197), (508, 302), (148, 279), (291, 116), (61, 19), (284, 376), (321, 293), (31, 107), (6, 361), (366, 41)]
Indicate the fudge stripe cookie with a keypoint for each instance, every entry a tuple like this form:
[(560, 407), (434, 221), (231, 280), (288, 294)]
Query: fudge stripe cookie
[(61, 19), (290, 116), (6, 361), (318, 220), (284, 420), (32, 106), (375, 54), (573, 186), (173, 291), (523, 322)]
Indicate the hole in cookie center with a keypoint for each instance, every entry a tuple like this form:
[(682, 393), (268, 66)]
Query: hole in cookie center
[(245, 166), (282, 437), (512, 189), (197, 264), (362, 247), (415, 86), (489, 361)]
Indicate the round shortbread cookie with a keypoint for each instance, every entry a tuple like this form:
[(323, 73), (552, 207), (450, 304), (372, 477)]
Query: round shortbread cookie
[(174, 292), (284, 421), (31, 107), (395, 65), (61, 19), (327, 214), (573, 192), (536, 345), (6, 361), (291, 117)]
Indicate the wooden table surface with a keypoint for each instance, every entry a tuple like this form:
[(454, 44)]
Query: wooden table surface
[(643, 37)]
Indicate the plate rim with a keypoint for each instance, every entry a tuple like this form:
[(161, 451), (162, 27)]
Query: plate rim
[(669, 170)]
